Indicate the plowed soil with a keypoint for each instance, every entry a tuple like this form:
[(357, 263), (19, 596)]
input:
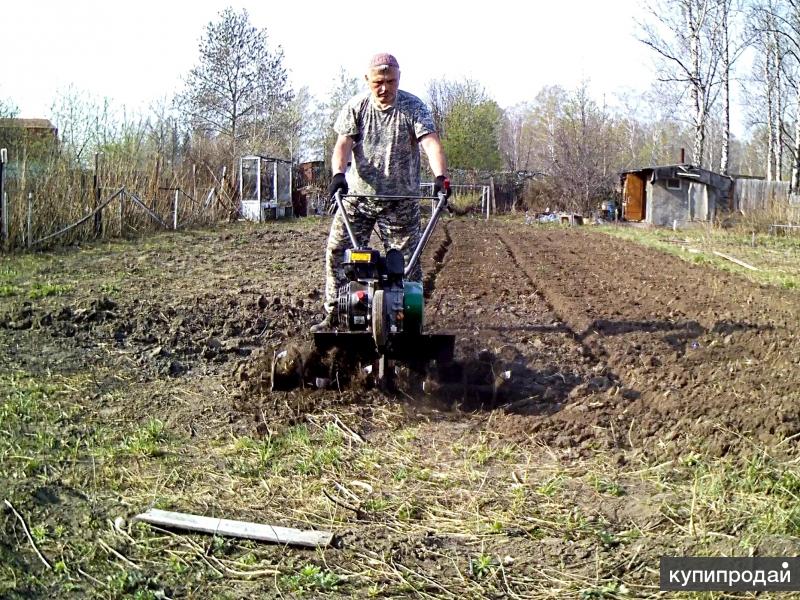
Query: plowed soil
[(565, 338), (591, 342), (588, 341)]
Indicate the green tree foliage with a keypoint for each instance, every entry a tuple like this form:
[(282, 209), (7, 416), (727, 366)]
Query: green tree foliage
[(472, 134), (444, 94), (469, 123)]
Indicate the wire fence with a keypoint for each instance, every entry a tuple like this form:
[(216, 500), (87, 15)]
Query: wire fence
[(52, 203), (131, 216), (467, 198), (61, 206)]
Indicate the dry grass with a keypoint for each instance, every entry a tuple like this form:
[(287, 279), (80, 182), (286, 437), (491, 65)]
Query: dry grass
[(57, 193), (465, 203), (424, 503), (776, 257), (431, 508), (759, 221)]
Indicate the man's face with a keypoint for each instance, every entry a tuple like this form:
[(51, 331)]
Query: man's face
[(383, 83)]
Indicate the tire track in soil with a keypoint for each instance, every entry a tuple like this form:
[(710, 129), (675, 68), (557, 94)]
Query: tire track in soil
[(579, 423), (559, 308), (497, 315), (558, 304)]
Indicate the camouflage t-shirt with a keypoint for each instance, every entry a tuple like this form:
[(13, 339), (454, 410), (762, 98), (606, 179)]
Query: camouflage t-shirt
[(386, 149)]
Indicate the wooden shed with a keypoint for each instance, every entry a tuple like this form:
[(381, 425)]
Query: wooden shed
[(310, 185), (29, 138), (31, 129), (663, 195)]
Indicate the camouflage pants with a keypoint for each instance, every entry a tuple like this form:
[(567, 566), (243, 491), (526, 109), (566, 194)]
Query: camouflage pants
[(398, 227)]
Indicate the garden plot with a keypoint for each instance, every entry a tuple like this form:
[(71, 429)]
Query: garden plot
[(633, 405)]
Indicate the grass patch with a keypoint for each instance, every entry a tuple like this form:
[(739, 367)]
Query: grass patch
[(419, 513), (311, 578), (110, 288), (148, 440), (45, 290), (610, 488), (294, 451), (756, 496), (6, 290), (478, 509), (776, 257)]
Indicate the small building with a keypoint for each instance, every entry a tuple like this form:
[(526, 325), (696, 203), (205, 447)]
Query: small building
[(664, 195), (38, 129), (310, 187), (31, 138), (265, 187)]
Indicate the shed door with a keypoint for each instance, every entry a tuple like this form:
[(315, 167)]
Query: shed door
[(634, 198)]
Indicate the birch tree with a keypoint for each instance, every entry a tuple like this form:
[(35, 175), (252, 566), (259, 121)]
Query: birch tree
[(772, 45), (322, 139), (725, 57), (684, 35), (777, 29), (517, 143)]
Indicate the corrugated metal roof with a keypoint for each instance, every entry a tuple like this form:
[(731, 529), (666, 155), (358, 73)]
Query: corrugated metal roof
[(722, 182), (686, 166)]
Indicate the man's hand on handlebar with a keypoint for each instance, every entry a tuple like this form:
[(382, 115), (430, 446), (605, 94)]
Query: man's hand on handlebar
[(442, 184), (338, 183)]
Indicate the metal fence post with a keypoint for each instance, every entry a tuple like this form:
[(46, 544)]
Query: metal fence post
[(30, 220), (275, 186), (4, 202), (121, 214), (213, 205), (221, 188), (175, 211), (98, 218), (3, 198)]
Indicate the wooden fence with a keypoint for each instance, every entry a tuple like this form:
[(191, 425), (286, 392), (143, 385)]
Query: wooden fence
[(757, 194)]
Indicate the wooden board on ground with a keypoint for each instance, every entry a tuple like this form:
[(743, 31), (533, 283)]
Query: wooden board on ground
[(741, 263), (242, 529)]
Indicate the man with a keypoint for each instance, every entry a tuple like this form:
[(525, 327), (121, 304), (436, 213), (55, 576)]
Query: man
[(381, 131)]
